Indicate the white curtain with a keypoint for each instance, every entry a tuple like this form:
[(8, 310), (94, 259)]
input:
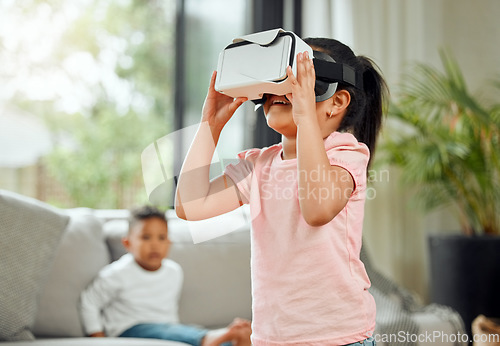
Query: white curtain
[(396, 33), (393, 32)]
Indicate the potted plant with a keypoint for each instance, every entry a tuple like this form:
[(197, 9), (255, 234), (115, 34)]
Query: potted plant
[(447, 143)]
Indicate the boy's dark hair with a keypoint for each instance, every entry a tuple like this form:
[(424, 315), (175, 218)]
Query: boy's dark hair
[(144, 213), (363, 117)]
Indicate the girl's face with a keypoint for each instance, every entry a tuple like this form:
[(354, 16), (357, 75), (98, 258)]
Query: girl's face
[(279, 115)]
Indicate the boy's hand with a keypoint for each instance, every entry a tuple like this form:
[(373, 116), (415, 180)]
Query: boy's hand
[(219, 108), (302, 97), (98, 335)]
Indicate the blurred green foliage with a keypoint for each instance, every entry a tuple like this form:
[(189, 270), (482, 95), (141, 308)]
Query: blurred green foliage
[(447, 142), (124, 102)]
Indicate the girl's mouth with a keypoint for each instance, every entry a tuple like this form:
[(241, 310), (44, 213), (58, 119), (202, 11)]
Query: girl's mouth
[(280, 101)]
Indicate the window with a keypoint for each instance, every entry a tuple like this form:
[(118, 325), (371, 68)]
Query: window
[(209, 27), (86, 85)]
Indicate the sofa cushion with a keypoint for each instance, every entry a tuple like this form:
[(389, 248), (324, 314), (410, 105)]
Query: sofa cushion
[(114, 231), (223, 262), (96, 342), (217, 286), (80, 256), (30, 232)]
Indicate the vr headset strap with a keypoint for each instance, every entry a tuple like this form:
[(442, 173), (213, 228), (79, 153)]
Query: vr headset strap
[(332, 72)]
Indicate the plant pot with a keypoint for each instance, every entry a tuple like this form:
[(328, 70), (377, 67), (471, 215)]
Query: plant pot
[(465, 274)]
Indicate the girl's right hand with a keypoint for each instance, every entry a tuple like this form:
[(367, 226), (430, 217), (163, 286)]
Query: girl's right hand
[(219, 108)]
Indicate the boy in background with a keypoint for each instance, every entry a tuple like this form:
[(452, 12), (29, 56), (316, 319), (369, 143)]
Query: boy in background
[(137, 295)]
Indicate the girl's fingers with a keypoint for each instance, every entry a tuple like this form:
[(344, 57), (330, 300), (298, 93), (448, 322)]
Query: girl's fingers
[(212, 80), (305, 68), (300, 65), (237, 102), (290, 75), (308, 66)]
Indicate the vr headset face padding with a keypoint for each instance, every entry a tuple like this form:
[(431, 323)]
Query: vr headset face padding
[(322, 89)]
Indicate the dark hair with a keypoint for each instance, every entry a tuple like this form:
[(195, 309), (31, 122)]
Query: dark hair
[(363, 117), (144, 213)]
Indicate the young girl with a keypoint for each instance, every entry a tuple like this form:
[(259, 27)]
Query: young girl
[(306, 199)]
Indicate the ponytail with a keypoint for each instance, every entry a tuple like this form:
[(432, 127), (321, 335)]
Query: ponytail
[(363, 117), (367, 123)]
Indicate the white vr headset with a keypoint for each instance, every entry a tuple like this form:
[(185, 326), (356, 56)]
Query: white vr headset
[(255, 65)]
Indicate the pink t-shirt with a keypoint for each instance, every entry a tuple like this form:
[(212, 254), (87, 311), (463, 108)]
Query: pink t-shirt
[(309, 286)]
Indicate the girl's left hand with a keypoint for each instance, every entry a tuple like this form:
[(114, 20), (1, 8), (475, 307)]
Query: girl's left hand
[(302, 96)]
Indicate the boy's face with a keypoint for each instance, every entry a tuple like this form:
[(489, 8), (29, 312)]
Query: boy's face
[(148, 242)]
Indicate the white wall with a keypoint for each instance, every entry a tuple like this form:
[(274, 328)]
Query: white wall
[(396, 33), (472, 30)]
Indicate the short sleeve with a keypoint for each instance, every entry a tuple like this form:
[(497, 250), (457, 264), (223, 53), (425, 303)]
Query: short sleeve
[(241, 172), (345, 151)]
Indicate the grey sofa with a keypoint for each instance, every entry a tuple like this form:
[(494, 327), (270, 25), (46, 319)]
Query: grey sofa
[(48, 255)]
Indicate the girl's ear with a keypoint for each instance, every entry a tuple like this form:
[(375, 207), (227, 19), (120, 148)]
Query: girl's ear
[(341, 100), (338, 103)]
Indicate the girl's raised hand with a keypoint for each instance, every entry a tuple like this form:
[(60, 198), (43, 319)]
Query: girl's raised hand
[(219, 108), (302, 96)]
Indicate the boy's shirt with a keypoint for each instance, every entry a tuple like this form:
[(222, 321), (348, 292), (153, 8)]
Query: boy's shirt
[(124, 294)]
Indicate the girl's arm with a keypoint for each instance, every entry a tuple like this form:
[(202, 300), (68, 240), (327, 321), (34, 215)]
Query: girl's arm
[(323, 189), (197, 197)]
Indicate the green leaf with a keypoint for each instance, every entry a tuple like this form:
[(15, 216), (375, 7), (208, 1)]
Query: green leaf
[(447, 142)]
